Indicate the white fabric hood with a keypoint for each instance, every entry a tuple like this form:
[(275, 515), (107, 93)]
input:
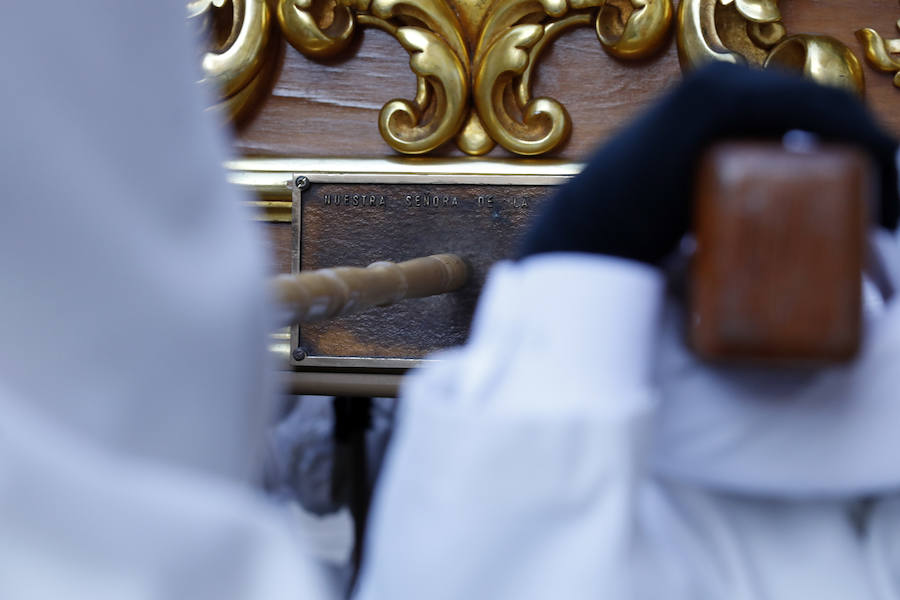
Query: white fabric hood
[(132, 303), (132, 323)]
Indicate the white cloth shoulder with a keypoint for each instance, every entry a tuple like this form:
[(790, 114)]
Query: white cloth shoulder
[(527, 464)]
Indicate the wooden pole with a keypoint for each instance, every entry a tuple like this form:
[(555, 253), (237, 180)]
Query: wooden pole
[(327, 293)]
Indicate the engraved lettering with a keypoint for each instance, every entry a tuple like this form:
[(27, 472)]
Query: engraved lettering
[(425, 200), (430, 200), (354, 200)]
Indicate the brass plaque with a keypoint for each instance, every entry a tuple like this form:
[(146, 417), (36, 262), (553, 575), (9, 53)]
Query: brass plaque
[(350, 223)]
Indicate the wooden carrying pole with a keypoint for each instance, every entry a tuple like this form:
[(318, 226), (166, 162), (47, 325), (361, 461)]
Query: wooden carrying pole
[(327, 293)]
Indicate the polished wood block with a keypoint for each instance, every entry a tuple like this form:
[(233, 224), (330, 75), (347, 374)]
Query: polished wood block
[(780, 245)]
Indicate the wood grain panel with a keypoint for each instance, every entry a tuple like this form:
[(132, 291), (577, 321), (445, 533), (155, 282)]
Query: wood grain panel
[(601, 93), (331, 108)]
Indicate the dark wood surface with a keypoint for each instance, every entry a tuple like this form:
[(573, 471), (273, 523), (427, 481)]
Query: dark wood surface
[(331, 108), (278, 243)]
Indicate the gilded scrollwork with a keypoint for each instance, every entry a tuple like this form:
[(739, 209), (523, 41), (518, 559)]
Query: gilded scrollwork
[(698, 37), (820, 58), (427, 29), (303, 31), (435, 15), (484, 98), (441, 80), (644, 31), (757, 11), (504, 15), (751, 32), (545, 122), (235, 64), (516, 33), (883, 54), (475, 60)]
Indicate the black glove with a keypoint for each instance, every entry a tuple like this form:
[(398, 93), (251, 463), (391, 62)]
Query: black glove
[(634, 198)]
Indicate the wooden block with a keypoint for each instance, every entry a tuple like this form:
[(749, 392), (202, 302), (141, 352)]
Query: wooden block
[(780, 249)]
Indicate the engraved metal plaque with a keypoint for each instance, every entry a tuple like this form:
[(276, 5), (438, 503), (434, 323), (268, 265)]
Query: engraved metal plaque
[(341, 220)]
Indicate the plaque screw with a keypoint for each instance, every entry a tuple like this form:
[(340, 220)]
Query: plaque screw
[(298, 354), (302, 182)]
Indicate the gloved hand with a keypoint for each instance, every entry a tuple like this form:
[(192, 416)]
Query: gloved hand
[(634, 198)]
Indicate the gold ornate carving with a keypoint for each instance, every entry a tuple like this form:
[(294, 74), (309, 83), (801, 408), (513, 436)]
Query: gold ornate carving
[(475, 60), (820, 58), (882, 54), (427, 29), (442, 83), (505, 60), (481, 98), (643, 33), (236, 63), (303, 32), (751, 32), (515, 34)]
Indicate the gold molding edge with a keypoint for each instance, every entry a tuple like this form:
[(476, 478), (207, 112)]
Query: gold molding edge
[(267, 180), (270, 211), (324, 382)]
